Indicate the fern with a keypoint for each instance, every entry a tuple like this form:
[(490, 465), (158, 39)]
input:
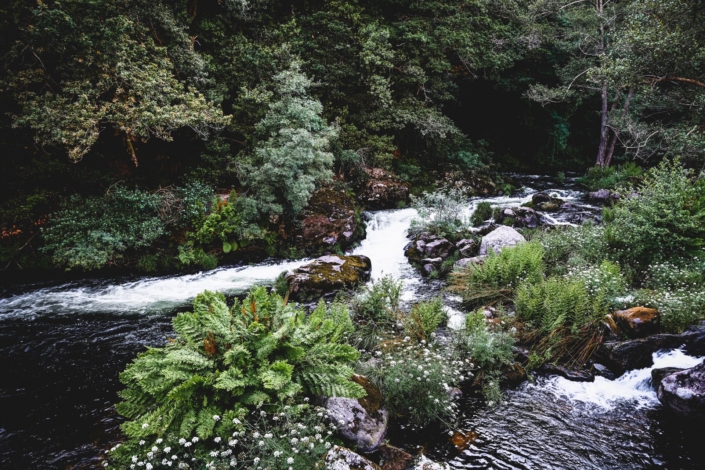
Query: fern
[(225, 360)]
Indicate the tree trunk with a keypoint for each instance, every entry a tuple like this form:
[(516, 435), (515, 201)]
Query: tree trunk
[(603, 122), (615, 134)]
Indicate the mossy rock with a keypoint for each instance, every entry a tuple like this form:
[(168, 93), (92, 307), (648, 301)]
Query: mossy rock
[(328, 274)]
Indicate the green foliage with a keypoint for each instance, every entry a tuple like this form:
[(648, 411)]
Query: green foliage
[(572, 247), (604, 281), (611, 177), (379, 301), (99, 231), (500, 274), (486, 348), (424, 318), (482, 212), (663, 217), (414, 380), (440, 213), (225, 361), (292, 153)]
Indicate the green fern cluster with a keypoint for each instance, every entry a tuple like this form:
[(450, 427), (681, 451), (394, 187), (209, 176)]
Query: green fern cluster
[(225, 361)]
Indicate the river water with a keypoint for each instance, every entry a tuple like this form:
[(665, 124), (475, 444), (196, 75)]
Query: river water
[(63, 346)]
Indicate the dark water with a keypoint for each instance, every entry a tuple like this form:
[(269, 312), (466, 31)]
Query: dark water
[(63, 347)]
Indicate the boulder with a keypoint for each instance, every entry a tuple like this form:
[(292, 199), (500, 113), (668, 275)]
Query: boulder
[(526, 217), (361, 422), (684, 392), (427, 246), (394, 458), (383, 190), (342, 458), (428, 269), (328, 274), (602, 371), (603, 195), (574, 375), (499, 238), (424, 463), (328, 220), (545, 202), (440, 248), (657, 375), (466, 247), (461, 263), (637, 322)]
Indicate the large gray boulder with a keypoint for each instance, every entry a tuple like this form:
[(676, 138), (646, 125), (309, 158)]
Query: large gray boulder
[(684, 392), (360, 422), (328, 274), (499, 238)]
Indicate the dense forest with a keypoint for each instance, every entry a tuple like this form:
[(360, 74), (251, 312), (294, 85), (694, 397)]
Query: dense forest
[(122, 119)]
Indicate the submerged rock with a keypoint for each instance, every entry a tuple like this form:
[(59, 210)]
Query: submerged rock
[(328, 274), (638, 322), (364, 421), (499, 238), (394, 458), (383, 190), (342, 458), (424, 463), (684, 392), (574, 375)]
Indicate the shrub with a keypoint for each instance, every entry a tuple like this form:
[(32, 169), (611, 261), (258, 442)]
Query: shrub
[(500, 274), (424, 318), (678, 308), (98, 231), (604, 281), (482, 212), (379, 301), (486, 348), (415, 380), (572, 247), (294, 437), (664, 217), (611, 177), (224, 361), (440, 213)]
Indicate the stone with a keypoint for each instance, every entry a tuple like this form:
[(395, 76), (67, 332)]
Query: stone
[(499, 238), (438, 248), (545, 202), (328, 220), (424, 463), (603, 195), (683, 393), (612, 332), (364, 421), (574, 375), (383, 190), (394, 458), (434, 261), (427, 246), (638, 322), (462, 440), (464, 262), (342, 458), (602, 371), (328, 274), (466, 247), (508, 213), (428, 269), (657, 375)]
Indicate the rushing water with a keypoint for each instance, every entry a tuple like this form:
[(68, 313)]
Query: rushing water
[(63, 347)]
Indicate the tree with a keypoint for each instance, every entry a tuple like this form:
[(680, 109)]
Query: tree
[(291, 155)]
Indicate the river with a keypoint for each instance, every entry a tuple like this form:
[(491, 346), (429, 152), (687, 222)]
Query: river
[(63, 347)]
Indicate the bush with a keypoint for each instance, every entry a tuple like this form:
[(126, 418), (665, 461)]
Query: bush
[(679, 308), (604, 281), (486, 348), (378, 302), (500, 274), (440, 213), (482, 212), (424, 318), (572, 248), (225, 361), (414, 381), (106, 230), (295, 437), (611, 177), (664, 217)]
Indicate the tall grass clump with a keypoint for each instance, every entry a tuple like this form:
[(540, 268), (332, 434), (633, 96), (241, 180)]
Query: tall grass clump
[(440, 213), (376, 311), (424, 318), (500, 274)]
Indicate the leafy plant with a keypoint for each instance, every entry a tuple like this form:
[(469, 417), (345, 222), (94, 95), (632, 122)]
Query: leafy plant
[(500, 274), (482, 212), (225, 361), (440, 213), (611, 177), (424, 318), (487, 349)]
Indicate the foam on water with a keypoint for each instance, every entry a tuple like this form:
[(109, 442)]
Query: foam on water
[(634, 386)]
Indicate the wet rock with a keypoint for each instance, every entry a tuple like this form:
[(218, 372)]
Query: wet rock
[(657, 375), (328, 274), (603, 195), (621, 356), (383, 190), (428, 269), (342, 458), (574, 375), (513, 375), (499, 238), (462, 440), (427, 246), (638, 322), (684, 392), (526, 217), (462, 263), (329, 219), (466, 247), (438, 248), (612, 332), (394, 458), (433, 261), (508, 213), (424, 463), (602, 371), (364, 421), (545, 202)]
